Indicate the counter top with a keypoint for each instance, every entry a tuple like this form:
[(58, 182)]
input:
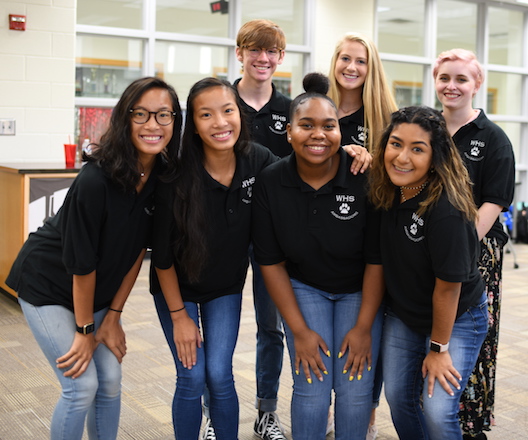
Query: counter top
[(37, 168)]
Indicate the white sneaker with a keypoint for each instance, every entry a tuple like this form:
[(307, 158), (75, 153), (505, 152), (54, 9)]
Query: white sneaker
[(208, 432), (372, 432), (268, 427)]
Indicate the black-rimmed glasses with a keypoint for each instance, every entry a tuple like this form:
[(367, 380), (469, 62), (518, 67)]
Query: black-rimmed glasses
[(162, 117)]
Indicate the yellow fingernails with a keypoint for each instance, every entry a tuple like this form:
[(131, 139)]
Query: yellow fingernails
[(325, 372), (309, 380), (345, 371), (351, 378), (328, 353), (359, 377), (340, 355), (369, 368), (297, 372)]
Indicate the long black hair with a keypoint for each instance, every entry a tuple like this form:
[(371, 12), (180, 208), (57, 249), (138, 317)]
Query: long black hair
[(190, 248), (115, 152)]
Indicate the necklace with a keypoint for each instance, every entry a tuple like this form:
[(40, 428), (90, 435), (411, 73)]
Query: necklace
[(419, 188)]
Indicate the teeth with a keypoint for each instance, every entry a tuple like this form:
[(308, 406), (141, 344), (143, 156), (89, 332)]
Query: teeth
[(222, 135), (350, 76), (263, 68), (403, 170), (151, 138), (316, 148)]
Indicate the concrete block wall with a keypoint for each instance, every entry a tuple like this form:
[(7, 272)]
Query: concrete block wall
[(37, 79)]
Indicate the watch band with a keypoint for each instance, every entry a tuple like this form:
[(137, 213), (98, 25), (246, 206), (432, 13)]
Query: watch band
[(85, 329), (437, 347)]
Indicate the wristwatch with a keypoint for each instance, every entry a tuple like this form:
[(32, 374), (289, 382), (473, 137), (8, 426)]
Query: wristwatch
[(86, 329), (437, 347)]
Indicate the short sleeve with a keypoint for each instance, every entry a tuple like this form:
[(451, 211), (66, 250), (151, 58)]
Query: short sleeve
[(83, 215)]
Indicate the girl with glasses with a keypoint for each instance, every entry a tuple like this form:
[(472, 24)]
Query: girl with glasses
[(74, 274)]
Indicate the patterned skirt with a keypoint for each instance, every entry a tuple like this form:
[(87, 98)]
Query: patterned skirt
[(478, 399)]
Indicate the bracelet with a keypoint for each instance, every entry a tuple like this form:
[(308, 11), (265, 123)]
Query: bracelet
[(115, 310), (179, 310)]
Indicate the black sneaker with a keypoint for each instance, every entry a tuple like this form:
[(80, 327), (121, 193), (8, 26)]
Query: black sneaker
[(268, 427), (208, 431)]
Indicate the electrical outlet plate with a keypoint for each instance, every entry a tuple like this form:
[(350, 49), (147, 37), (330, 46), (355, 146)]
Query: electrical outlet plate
[(7, 127)]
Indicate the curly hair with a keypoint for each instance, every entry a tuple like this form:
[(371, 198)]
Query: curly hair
[(190, 248), (377, 97), (447, 172), (115, 152)]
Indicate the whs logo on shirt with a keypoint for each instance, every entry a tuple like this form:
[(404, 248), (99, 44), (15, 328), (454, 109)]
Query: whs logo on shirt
[(344, 208)]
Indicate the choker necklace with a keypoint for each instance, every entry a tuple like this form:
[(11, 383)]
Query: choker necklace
[(419, 188)]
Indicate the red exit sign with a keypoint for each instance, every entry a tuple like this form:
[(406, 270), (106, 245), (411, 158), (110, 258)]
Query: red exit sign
[(219, 6)]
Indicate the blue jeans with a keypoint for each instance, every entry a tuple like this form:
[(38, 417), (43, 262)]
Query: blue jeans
[(219, 320), (331, 316), (270, 345), (403, 353), (96, 393)]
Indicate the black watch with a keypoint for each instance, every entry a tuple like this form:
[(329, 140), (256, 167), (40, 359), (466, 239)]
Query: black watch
[(85, 329)]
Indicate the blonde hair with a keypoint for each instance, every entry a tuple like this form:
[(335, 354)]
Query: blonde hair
[(377, 97), (465, 56), (261, 33)]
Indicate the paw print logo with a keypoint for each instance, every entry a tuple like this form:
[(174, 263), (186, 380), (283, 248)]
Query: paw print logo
[(413, 229), (475, 151), (344, 208), (361, 136), (278, 125)]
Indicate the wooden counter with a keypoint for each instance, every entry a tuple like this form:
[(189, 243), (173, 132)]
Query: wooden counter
[(29, 194)]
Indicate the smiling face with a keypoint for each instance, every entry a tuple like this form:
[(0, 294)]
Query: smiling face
[(151, 138), (408, 155), (217, 119), (314, 132), (455, 85), (258, 64), (351, 66)]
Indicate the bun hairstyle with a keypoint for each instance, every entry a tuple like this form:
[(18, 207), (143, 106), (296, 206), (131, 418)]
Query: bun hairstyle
[(316, 85)]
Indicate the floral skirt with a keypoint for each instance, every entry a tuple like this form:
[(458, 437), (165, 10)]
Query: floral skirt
[(478, 399)]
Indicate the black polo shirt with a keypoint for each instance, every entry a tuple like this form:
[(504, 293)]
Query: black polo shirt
[(353, 129), (322, 235), (416, 250), (99, 227), (268, 125), (488, 155), (228, 213)]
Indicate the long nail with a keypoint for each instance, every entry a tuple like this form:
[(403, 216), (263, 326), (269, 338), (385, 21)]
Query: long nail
[(351, 378), (325, 372), (339, 355), (309, 380), (359, 377), (345, 371), (328, 353), (297, 372)]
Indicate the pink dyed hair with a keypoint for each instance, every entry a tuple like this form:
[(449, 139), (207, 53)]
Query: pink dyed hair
[(461, 55)]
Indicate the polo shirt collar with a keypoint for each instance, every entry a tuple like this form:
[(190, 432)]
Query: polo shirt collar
[(290, 177), (275, 103), (241, 169)]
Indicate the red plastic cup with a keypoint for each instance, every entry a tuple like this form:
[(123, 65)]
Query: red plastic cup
[(69, 154)]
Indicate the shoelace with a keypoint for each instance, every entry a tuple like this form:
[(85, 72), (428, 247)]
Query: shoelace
[(209, 432), (270, 425)]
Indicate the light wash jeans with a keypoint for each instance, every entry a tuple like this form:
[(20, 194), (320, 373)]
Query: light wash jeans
[(331, 316), (219, 320), (403, 352), (96, 393)]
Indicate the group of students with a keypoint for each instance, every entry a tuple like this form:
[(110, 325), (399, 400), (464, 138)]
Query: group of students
[(375, 274)]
